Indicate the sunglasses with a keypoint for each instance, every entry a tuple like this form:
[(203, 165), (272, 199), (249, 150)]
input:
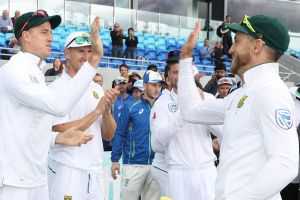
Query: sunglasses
[(80, 40), (246, 22), (38, 13), (174, 54)]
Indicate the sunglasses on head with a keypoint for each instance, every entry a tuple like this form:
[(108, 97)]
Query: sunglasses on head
[(38, 13), (246, 22), (80, 40)]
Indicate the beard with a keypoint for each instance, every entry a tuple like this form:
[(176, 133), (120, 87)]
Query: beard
[(240, 60)]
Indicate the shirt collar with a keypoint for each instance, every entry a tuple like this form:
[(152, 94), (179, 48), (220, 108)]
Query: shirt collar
[(35, 59), (260, 71), (173, 94)]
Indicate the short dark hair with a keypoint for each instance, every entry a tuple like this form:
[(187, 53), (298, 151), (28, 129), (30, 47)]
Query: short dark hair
[(219, 65), (130, 29), (123, 65), (227, 16), (166, 71), (274, 55), (152, 67), (97, 74)]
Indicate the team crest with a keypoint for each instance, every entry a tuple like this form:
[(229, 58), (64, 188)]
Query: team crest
[(141, 111), (283, 119), (126, 182), (242, 100), (173, 107), (95, 94), (67, 197)]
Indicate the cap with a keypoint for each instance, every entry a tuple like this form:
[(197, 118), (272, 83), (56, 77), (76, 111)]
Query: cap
[(273, 32), (227, 81), (138, 84), (34, 19), (119, 80), (152, 77), (295, 91), (72, 42)]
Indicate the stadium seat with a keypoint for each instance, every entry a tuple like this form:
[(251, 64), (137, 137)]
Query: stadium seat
[(55, 46), (115, 63), (8, 36), (2, 41)]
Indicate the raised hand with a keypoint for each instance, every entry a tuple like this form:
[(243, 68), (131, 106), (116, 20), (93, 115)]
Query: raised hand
[(97, 47), (188, 47), (106, 101), (73, 137)]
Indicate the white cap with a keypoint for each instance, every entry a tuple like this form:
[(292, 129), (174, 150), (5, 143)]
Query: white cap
[(138, 84), (225, 81), (70, 41)]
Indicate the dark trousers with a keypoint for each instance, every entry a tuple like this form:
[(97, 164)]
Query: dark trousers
[(117, 51), (131, 53)]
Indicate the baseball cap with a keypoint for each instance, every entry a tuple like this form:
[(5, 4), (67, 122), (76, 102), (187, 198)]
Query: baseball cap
[(77, 39), (152, 77), (32, 19), (119, 80), (138, 84), (225, 80), (269, 29)]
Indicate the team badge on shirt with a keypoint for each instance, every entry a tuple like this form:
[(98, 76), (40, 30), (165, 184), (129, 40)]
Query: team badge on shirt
[(173, 107), (242, 100), (67, 197), (283, 119), (95, 94)]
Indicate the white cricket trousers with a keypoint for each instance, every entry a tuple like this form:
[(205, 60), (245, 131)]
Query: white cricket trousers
[(73, 184), (190, 183), (17, 193), (160, 176), (137, 181)]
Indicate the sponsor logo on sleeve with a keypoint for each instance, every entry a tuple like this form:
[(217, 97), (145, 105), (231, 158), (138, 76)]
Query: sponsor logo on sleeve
[(283, 119)]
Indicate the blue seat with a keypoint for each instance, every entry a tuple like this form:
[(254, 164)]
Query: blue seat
[(141, 39), (150, 40), (55, 46), (83, 29), (140, 46), (151, 55), (115, 63), (56, 37), (103, 62), (8, 36), (2, 41), (180, 42), (140, 53), (161, 40), (150, 47)]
